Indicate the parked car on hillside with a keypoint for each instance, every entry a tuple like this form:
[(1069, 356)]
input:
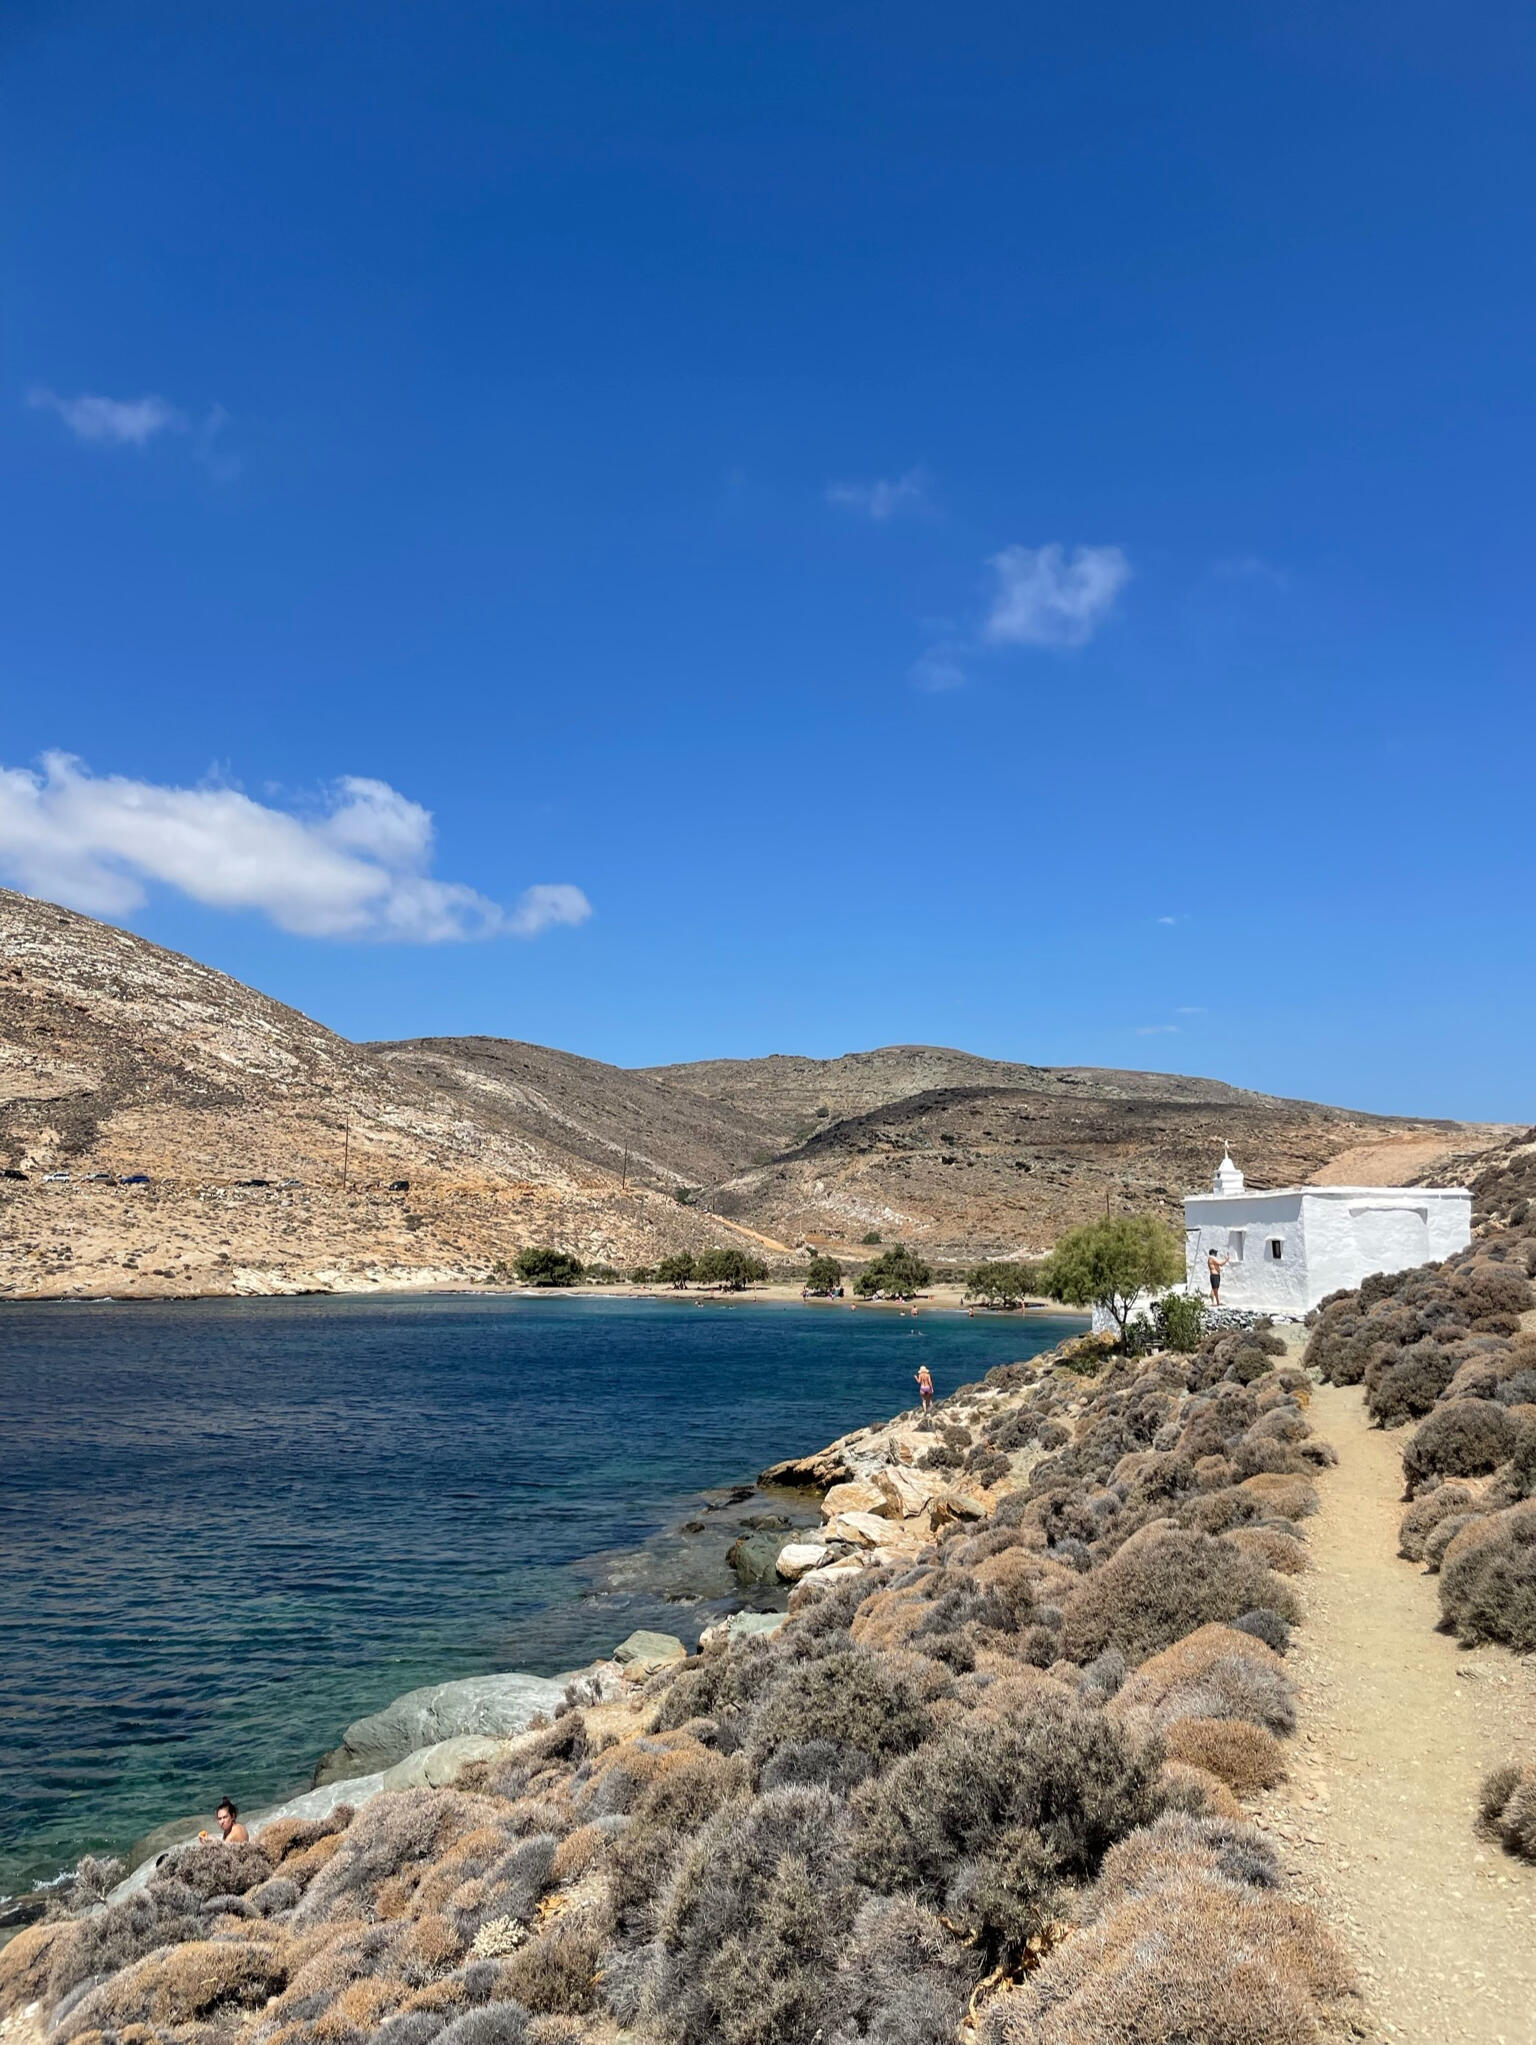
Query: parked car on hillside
[(253, 1182), (11, 1172), (399, 1186), (135, 1179), (55, 1178)]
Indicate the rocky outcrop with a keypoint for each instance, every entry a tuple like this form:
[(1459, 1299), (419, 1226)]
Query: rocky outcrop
[(487, 1706)]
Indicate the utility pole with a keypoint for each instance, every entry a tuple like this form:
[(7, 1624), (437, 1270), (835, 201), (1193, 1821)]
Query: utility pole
[(346, 1152), (624, 1182)]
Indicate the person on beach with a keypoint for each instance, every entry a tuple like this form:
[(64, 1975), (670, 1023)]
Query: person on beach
[(1215, 1266), (230, 1827), (925, 1388)]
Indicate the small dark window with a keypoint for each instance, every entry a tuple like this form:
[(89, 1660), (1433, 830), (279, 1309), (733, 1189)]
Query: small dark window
[(1276, 1248)]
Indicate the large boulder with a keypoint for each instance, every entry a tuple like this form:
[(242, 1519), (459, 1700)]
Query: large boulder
[(643, 1653), (753, 1558), (491, 1706), (858, 1496), (798, 1557), (861, 1529), (906, 1492)]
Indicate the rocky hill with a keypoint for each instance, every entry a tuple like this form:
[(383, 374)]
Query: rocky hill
[(270, 1144), (273, 1149)]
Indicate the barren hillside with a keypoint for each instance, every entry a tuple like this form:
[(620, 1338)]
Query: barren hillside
[(1004, 1168), (119, 1059)]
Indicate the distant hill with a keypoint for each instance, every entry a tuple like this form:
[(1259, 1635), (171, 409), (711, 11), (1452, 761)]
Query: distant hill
[(118, 1058)]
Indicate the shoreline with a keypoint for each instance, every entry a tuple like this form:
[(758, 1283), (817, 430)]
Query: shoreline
[(936, 1299)]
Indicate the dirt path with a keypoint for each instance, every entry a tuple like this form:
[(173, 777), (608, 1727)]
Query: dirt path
[(1398, 1726)]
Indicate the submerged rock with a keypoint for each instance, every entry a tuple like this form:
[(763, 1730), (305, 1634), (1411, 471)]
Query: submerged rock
[(754, 1558)]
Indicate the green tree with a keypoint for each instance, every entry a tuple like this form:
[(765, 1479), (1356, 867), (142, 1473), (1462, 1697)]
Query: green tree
[(642, 1274), (825, 1275), (1002, 1283), (731, 1270), (547, 1267), (898, 1273), (676, 1270), (1107, 1263), (872, 1237), (1178, 1320)]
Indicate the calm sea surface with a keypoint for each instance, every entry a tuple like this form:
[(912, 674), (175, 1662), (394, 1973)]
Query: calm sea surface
[(228, 1528)]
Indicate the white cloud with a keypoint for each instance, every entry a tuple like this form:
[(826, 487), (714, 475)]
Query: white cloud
[(355, 867), (1158, 1030), (111, 422), (1045, 597), (1189, 1011), (936, 671), (881, 500), (1170, 919)]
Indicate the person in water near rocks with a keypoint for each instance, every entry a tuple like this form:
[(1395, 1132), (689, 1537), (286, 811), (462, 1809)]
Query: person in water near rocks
[(925, 1388), (1215, 1266), (230, 1827)]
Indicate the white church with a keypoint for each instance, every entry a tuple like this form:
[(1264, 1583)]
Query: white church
[(1283, 1251)]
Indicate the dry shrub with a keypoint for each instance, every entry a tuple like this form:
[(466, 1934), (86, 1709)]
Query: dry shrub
[(1439, 1538), (1195, 1962), (404, 1829), (1426, 1513), (579, 1851), (1216, 1672), (1244, 1756), (1196, 1792), (1408, 1388), (1488, 1579), (1005, 1804), (856, 1699), (1507, 1808), (1162, 1585), (27, 1961), (115, 1937), (556, 2031), (1286, 1498), (1283, 1553), (556, 1973), (1178, 1847), (182, 1985), (433, 1941), (756, 1922), (1465, 1438), (284, 1837), (904, 1980), (495, 2023)]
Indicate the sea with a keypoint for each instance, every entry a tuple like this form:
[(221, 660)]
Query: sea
[(228, 1528)]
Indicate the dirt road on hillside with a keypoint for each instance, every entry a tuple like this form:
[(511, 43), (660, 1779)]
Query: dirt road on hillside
[(1398, 1725)]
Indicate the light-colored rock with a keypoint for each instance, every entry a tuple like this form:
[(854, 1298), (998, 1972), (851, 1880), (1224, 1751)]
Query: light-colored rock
[(950, 1506), (815, 1581), (742, 1626), (906, 1492), (494, 1706), (436, 1767), (863, 1529), (645, 1652), (797, 1557), (859, 1496)]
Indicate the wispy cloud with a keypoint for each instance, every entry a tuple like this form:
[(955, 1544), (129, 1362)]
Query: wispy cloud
[(1189, 1011), (1169, 921), (881, 499), (1158, 1030), (111, 422), (355, 864), (1252, 568), (937, 670), (1047, 597), (134, 422)]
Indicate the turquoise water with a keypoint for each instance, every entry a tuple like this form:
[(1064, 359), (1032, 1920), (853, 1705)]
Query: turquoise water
[(229, 1527)]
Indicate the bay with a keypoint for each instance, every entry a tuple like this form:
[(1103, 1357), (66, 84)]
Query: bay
[(227, 1528)]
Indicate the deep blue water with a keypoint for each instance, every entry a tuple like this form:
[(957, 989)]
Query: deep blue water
[(228, 1528)]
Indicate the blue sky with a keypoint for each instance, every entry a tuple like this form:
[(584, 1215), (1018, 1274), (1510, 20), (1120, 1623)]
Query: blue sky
[(896, 523)]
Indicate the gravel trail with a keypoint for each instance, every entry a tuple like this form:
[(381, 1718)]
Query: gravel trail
[(1398, 1726)]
